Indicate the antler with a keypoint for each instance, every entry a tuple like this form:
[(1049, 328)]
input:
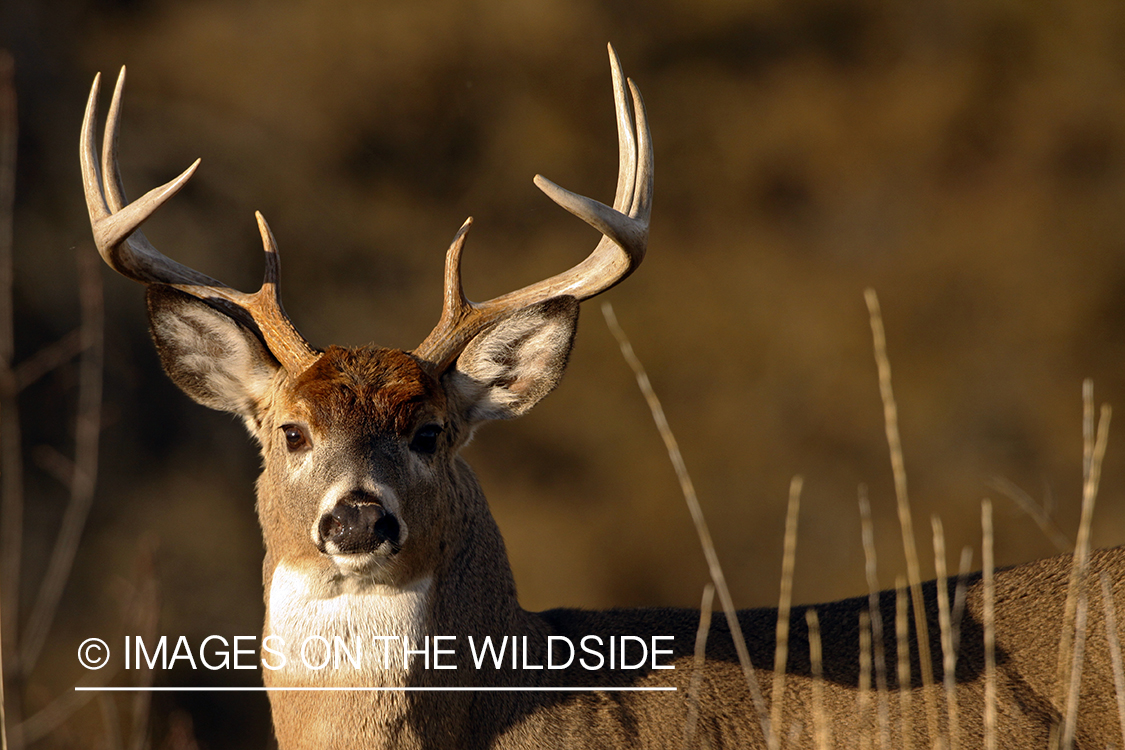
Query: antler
[(622, 248), (121, 244)]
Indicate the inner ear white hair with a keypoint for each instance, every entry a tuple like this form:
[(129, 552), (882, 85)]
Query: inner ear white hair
[(212, 358), (510, 367)]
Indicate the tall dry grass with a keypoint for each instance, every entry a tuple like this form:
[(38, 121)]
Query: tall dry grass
[(908, 595)]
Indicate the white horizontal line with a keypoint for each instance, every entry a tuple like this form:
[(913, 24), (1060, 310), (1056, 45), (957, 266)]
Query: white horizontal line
[(377, 689)]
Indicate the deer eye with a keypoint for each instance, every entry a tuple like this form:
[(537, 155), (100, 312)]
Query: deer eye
[(295, 438), (425, 439)]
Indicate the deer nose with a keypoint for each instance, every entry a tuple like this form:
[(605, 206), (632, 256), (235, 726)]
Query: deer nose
[(358, 524)]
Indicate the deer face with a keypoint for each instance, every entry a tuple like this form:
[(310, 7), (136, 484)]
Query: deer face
[(360, 450), (352, 465)]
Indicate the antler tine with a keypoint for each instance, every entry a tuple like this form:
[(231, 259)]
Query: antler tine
[(285, 342), (114, 188), (115, 223), (624, 229)]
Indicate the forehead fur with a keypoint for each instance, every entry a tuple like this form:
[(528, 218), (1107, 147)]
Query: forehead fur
[(386, 388)]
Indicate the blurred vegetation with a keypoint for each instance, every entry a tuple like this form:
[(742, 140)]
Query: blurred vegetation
[(965, 159)]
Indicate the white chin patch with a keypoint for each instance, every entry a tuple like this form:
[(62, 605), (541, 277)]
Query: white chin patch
[(361, 564)]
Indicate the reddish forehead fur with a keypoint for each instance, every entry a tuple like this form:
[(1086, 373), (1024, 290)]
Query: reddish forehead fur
[(385, 387)]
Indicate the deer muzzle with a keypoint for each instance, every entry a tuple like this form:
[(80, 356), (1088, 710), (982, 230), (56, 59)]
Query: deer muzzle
[(358, 524)]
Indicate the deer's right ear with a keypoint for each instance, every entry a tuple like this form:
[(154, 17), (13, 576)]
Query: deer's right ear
[(213, 359)]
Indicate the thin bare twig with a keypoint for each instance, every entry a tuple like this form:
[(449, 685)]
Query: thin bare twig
[(56, 713), (688, 489), (147, 625), (51, 461), (84, 477), (140, 615), (11, 463), (898, 467), (48, 358), (111, 721)]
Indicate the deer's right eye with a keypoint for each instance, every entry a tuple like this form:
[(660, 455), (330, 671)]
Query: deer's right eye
[(295, 438)]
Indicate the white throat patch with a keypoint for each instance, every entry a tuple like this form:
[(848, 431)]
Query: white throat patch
[(329, 633)]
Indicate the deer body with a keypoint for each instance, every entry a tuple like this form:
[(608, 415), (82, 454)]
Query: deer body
[(378, 537)]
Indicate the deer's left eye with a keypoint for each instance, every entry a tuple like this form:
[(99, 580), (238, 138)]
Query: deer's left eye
[(295, 438), (425, 439)]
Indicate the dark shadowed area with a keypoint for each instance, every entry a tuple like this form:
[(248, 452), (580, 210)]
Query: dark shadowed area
[(964, 159)]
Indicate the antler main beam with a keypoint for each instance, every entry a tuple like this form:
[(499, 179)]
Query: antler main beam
[(624, 229), (116, 224)]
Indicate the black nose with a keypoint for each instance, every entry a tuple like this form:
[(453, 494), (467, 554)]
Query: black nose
[(356, 524)]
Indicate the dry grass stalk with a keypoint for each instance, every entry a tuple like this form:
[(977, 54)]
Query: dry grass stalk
[(1070, 654), (1095, 447), (1070, 717), (902, 651), (863, 700), (785, 601), (955, 615), (1114, 642), (85, 473), (913, 571), (688, 489), (1037, 512), (696, 685), (794, 734), (879, 651), (1087, 428), (945, 623), (963, 571), (989, 627), (821, 724)]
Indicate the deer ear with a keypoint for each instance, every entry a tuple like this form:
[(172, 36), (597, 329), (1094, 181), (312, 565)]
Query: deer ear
[(508, 368), (213, 359)]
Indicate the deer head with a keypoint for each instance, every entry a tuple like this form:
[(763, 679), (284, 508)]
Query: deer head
[(361, 483)]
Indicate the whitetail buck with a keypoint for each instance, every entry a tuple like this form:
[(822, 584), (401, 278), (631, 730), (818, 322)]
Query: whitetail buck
[(375, 527)]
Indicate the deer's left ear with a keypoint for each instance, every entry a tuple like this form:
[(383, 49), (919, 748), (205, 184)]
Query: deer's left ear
[(508, 368)]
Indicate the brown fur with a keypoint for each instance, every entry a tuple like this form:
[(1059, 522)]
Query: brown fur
[(388, 387)]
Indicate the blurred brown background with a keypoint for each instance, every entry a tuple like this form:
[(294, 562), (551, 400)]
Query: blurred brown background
[(964, 158)]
